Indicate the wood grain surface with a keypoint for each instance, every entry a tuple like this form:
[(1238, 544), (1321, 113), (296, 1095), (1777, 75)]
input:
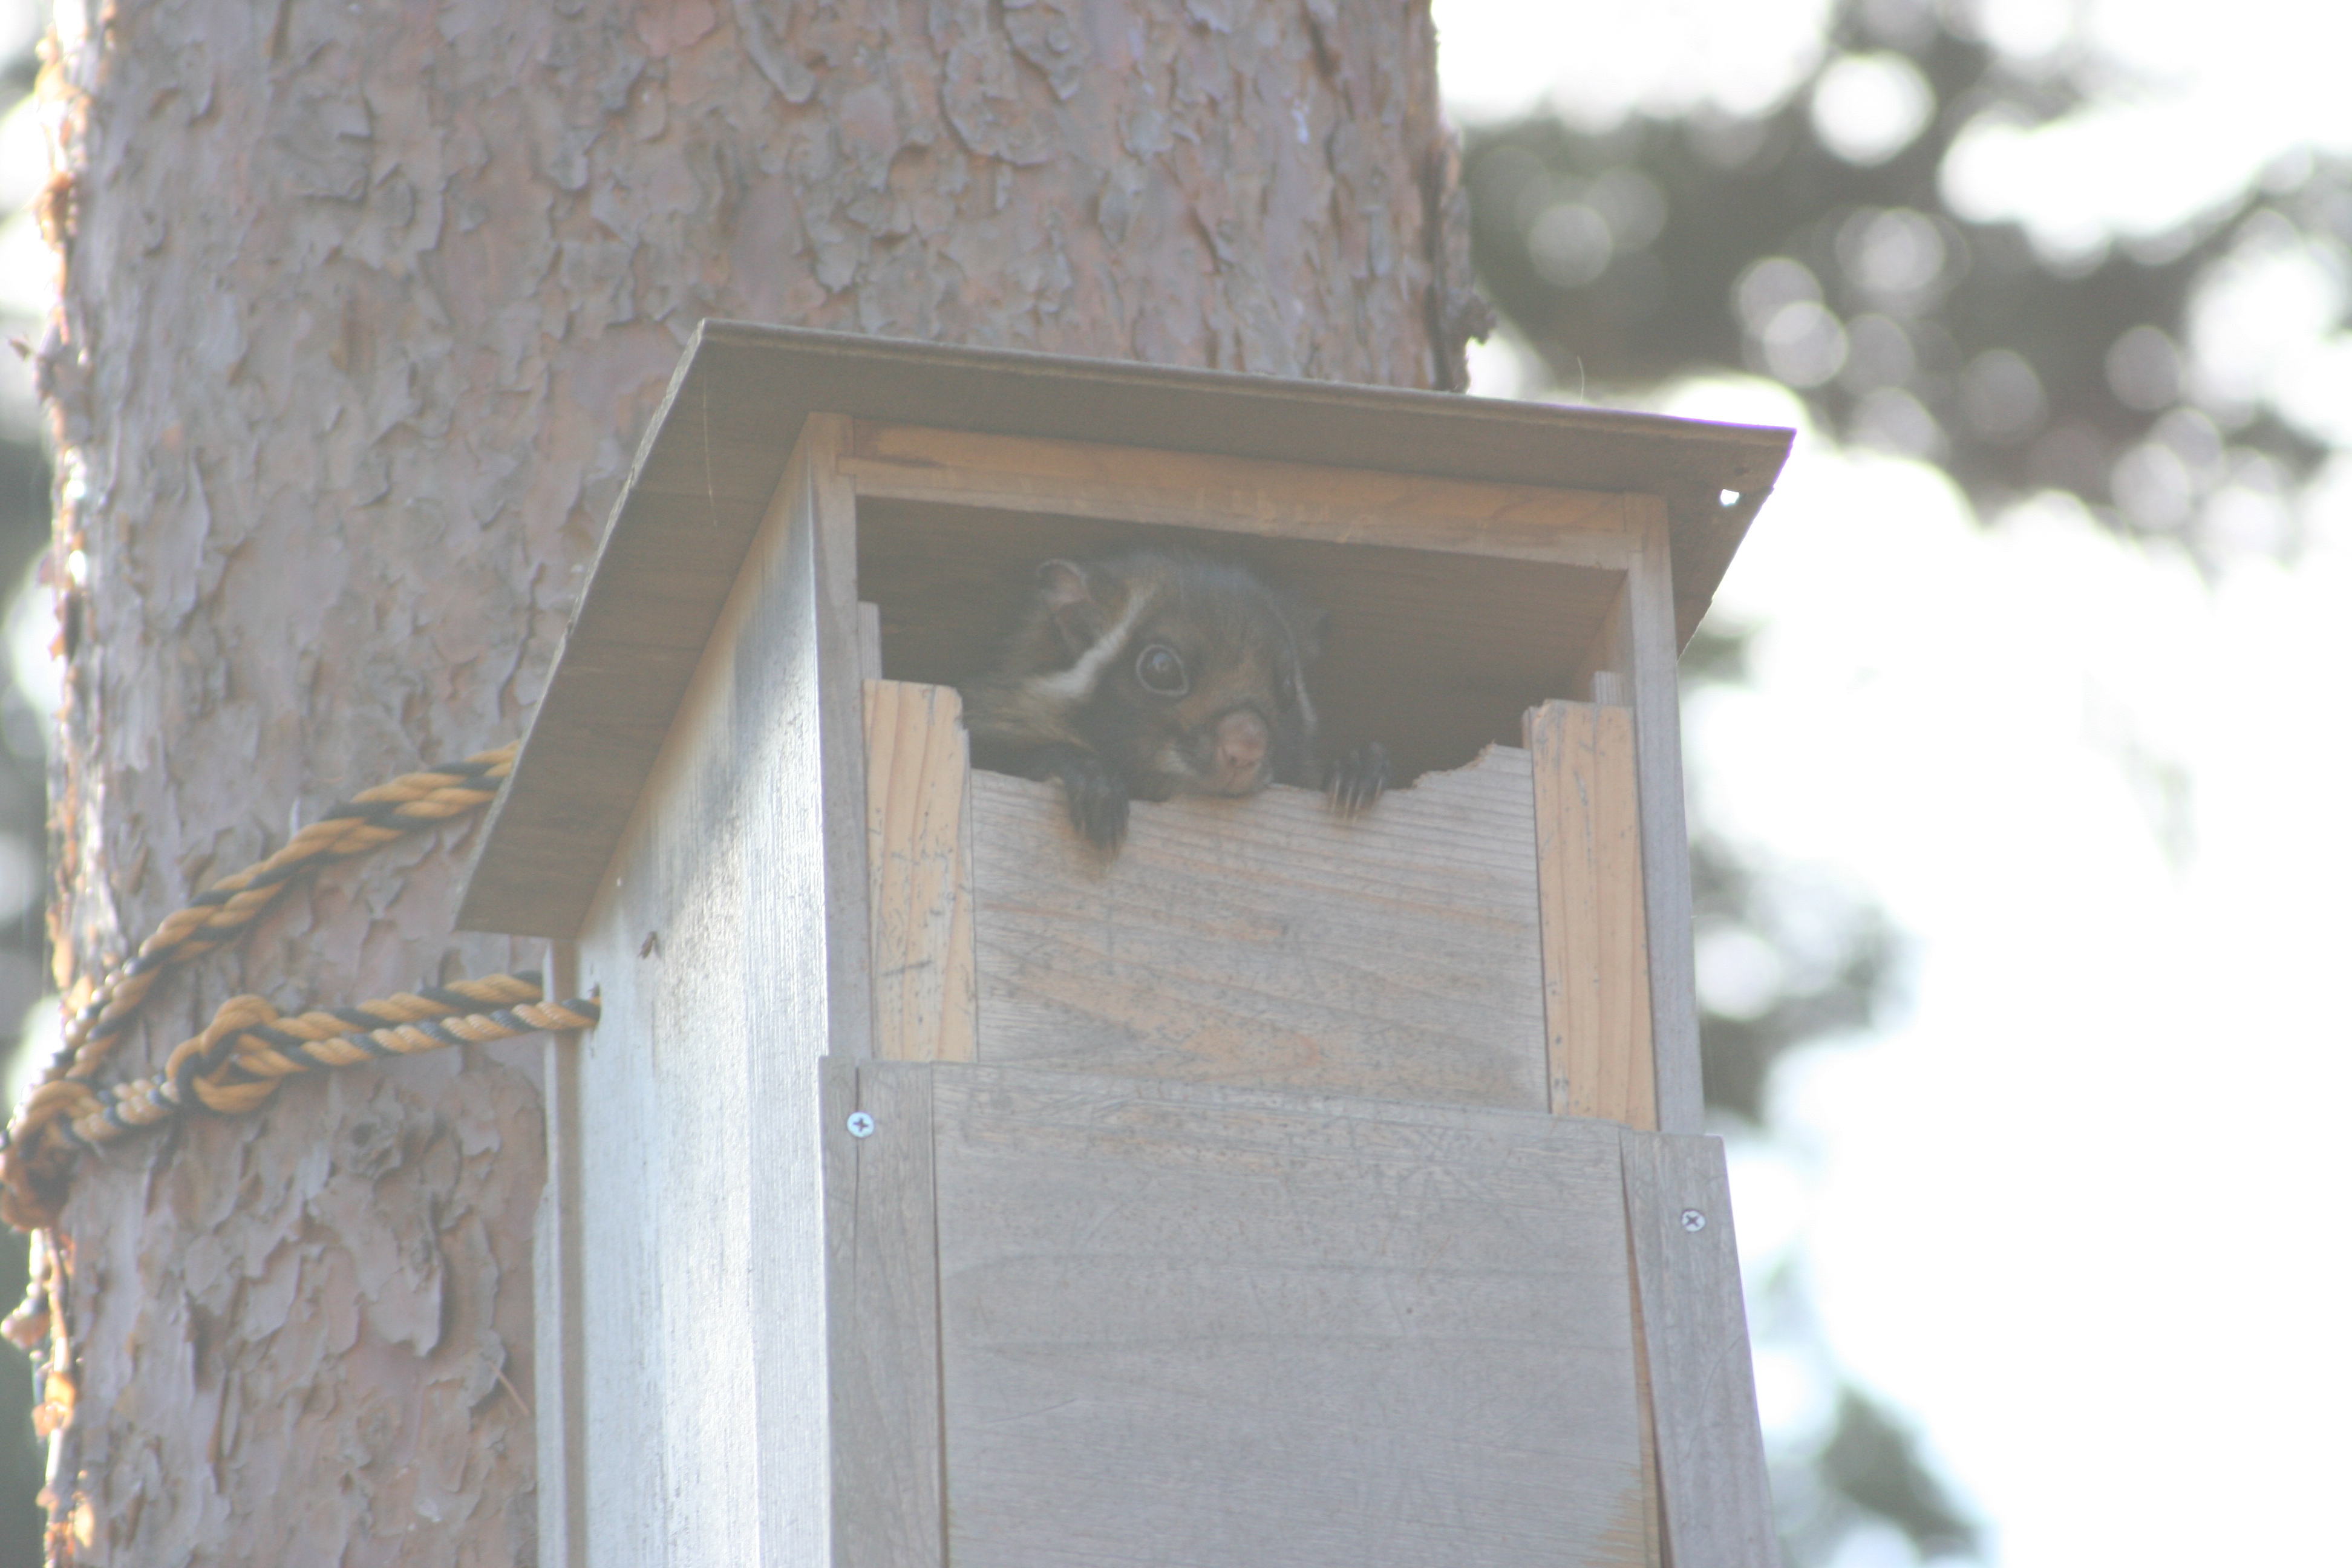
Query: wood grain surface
[(1199, 1327), (882, 1316), (1589, 879), (918, 782), (1714, 1494), (1264, 941), (1647, 627), (717, 942), (1138, 484), (558, 1241)]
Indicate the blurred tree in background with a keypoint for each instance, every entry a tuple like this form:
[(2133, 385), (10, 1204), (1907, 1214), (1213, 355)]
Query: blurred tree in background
[(1823, 245), (1846, 241)]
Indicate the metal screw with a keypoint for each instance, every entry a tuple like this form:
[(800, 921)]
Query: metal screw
[(861, 1125), (1693, 1221)]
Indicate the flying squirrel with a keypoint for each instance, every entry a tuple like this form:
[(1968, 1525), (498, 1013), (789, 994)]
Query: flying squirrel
[(1153, 674)]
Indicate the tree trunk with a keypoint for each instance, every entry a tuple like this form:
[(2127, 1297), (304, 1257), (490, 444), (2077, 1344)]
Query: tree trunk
[(364, 309)]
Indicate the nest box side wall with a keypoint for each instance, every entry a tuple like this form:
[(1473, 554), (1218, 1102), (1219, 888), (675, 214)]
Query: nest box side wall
[(729, 942)]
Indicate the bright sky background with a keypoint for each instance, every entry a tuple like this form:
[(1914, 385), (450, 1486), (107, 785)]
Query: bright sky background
[(2079, 1211)]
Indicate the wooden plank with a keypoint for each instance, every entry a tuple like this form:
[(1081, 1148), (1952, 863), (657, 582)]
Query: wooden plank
[(715, 452), (882, 1302), (1648, 654), (559, 1393), (1191, 1326), (1138, 484), (1714, 1493), (1589, 882), (711, 941), (643, 1409), (799, 763), (831, 533), (1654, 1532), (1264, 941), (918, 776)]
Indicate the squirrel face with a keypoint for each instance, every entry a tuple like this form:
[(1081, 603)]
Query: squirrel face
[(1152, 675)]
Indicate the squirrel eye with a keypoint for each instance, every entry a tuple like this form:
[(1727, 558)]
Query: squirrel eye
[(1161, 671)]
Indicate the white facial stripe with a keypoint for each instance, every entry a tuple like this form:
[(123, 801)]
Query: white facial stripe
[(1078, 683), (1298, 677)]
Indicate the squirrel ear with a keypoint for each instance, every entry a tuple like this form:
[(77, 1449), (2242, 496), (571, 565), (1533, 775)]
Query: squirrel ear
[(1068, 594), (1063, 583)]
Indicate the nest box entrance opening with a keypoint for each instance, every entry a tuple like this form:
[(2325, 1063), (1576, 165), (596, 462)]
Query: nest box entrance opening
[(1432, 654)]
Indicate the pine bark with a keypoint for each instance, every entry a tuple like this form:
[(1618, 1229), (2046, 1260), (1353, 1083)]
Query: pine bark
[(363, 309)]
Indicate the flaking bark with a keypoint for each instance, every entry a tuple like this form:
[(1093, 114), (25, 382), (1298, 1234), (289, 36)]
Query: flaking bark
[(363, 309)]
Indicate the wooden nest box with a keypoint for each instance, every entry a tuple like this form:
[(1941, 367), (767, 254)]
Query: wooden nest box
[(1285, 1192)]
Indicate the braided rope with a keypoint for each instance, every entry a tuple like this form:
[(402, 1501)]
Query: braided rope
[(220, 913), (247, 1051), (37, 1146)]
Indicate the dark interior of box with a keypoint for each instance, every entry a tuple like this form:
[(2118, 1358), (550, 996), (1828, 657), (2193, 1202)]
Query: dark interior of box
[(1433, 655)]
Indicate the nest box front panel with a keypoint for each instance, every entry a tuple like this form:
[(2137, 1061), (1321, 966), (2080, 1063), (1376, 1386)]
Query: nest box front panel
[(1199, 1327), (1264, 941)]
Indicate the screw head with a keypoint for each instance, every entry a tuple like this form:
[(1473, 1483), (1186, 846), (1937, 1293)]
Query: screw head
[(1694, 1220), (861, 1124)]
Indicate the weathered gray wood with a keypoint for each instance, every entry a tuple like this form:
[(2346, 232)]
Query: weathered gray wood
[(715, 453), (1647, 628), (631, 1419), (884, 1306), (1716, 1495), (703, 1285), (558, 1384), (1263, 942), (1199, 1327), (831, 532), (798, 693)]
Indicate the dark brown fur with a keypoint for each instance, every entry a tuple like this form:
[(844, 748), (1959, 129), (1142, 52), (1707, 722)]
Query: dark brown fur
[(1150, 675)]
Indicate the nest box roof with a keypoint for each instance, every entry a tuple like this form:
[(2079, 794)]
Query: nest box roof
[(717, 449)]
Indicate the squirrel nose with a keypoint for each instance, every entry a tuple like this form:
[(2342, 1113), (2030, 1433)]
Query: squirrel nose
[(1241, 748)]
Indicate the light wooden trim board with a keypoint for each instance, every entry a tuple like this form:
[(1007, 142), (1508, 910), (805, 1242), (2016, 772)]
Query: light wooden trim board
[(1295, 500), (1588, 890), (918, 856)]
